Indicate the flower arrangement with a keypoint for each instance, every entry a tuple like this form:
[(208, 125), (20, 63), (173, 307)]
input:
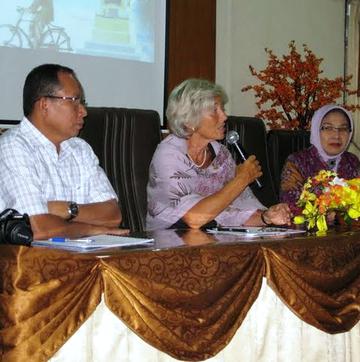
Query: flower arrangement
[(324, 193), (291, 89)]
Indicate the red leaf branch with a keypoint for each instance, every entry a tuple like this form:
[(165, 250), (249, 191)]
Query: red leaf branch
[(291, 89)]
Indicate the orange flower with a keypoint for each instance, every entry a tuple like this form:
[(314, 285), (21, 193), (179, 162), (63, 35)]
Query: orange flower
[(325, 193), (291, 89)]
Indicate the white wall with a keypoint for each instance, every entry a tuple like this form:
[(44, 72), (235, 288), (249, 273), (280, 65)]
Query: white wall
[(246, 27)]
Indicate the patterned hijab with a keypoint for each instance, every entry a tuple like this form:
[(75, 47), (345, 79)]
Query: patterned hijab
[(315, 132)]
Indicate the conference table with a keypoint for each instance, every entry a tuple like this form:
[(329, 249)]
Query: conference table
[(191, 295)]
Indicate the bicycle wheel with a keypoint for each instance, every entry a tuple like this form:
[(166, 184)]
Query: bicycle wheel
[(10, 36), (56, 39)]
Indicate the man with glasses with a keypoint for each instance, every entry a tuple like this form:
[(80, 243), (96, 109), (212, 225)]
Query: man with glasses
[(48, 172)]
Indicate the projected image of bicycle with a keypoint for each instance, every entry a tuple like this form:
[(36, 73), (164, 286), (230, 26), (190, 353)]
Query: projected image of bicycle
[(34, 29)]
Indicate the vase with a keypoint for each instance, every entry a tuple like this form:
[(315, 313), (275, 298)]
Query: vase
[(346, 223)]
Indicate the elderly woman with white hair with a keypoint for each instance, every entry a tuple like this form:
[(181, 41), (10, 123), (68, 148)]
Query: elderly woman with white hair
[(193, 180)]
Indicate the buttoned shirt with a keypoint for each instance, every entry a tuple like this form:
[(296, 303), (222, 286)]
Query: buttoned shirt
[(32, 172)]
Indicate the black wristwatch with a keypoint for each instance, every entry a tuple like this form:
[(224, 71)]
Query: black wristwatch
[(73, 210), (263, 218)]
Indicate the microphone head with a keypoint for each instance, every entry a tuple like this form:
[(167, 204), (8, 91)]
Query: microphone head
[(232, 137)]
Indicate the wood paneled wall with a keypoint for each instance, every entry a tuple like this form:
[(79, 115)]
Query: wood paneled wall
[(191, 41)]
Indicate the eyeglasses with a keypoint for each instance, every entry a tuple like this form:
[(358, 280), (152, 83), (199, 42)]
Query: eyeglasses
[(75, 100), (330, 129)]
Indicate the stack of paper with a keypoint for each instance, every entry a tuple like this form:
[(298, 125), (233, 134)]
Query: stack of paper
[(255, 231), (93, 242)]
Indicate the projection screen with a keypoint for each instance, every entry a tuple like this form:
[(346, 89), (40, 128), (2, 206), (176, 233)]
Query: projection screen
[(116, 47)]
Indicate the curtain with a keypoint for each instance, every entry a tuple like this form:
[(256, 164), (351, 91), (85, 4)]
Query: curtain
[(270, 332), (188, 302)]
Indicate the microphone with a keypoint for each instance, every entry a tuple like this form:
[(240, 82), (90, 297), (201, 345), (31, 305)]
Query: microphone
[(232, 137)]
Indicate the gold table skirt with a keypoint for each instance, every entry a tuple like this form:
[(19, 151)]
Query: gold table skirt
[(185, 301)]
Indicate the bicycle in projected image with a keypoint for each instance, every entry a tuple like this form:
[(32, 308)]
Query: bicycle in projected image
[(17, 36)]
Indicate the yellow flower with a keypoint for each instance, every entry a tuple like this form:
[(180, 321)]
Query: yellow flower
[(327, 192), (321, 223), (299, 220)]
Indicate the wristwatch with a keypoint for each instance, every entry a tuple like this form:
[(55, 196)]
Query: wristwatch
[(73, 210)]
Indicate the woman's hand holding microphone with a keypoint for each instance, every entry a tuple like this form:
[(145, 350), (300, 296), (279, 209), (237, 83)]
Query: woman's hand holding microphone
[(249, 170)]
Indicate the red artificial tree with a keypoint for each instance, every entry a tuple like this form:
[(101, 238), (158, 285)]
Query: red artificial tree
[(291, 89)]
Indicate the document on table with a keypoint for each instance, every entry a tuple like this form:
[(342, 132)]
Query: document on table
[(255, 231), (94, 242)]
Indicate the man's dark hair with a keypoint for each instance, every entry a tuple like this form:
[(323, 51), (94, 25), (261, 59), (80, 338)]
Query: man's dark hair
[(42, 81)]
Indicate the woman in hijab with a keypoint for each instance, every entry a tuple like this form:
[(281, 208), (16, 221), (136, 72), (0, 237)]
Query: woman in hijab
[(193, 180), (331, 132)]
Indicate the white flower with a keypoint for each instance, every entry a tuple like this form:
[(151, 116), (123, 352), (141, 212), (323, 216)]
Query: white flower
[(338, 181)]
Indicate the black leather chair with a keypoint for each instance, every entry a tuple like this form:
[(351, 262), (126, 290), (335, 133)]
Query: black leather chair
[(124, 141), (281, 143), (252, 135)]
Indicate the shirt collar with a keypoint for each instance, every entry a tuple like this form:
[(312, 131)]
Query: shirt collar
[(182, 144), (40, 140)]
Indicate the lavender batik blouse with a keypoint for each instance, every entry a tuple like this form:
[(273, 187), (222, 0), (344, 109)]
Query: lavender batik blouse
[(176, 184), (307, 163)]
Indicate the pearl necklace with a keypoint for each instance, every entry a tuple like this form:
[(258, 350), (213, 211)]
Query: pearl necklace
[(202, 163)]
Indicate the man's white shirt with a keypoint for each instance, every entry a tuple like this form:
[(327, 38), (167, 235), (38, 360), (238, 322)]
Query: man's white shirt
[(33, 173)]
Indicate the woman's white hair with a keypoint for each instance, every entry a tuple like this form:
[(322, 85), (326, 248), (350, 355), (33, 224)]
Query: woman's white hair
[(188, 102)]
